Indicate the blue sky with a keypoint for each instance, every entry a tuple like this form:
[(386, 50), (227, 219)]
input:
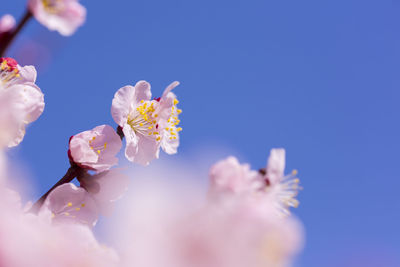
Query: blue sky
[(319, 78)]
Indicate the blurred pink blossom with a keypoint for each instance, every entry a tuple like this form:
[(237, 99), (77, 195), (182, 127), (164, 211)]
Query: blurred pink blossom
[(230, 176), (7, 23), (165, 227), (281, 188), (240, 236), (17, 84), (147, 124), (96, 195), (105, 188), (266, 188), (30, 240), (95, 149), (71, 204), (64, 16)]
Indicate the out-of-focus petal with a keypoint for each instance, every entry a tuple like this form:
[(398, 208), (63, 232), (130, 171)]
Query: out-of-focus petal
[(69, 203), (105, 188), (276, 165)]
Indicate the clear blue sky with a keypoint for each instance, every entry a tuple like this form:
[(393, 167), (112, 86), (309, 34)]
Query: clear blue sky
[(320, 78)]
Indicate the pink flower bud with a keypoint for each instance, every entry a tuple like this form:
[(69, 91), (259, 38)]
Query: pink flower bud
[(7, 23)]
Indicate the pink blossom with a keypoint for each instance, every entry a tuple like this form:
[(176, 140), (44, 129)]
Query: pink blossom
[(147, 124), (7, 23), (241, 236), (230, 176), (69, 203), (266, 188), (30, 240), (17, 84), (95, 149), (282, 188), (164, 220), (97, 194), (64, 16)]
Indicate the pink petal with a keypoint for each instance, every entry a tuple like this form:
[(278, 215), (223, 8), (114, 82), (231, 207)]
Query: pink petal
[(32, 100), (131, 142), (80, 148), (148, 149), (121, 104), (28, 74), (170, 146), (276, 165), (170, 88), (142, 91), (105, 188)]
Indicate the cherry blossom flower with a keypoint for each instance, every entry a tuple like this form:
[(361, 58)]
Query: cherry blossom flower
[(96, 195), (64, 16), (161, 218), (265, 188), (280, 187), (18, 85), (71, 204), (230, 176), (242, 236), (147, 124), (7, 23), (95, 149)]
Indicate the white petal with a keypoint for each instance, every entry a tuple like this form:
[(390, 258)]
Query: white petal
[(121, 104)]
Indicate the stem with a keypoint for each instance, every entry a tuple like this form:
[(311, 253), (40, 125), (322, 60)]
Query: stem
[(72, 172), (120, 132), (9, 37)]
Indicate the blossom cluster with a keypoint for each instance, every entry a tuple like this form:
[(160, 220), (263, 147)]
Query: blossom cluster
[(244, 220)]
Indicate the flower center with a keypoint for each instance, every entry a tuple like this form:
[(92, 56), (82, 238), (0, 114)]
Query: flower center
[(98, 148), (143, 120), (9, 72), (52, 6)]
